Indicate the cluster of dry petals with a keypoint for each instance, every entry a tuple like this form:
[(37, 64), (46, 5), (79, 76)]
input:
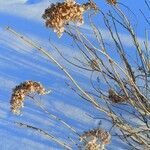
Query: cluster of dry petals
[(60, 14), (95, 139), (22, 90), (92, 146), (112, 2), (115, 97)]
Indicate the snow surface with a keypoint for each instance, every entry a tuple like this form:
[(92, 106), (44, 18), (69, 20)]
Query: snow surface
[(20, 62)]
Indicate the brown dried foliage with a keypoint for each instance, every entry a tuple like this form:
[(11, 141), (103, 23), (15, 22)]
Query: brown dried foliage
[(22, 90), (116, 98), (95, 138), (94, 65), (92, 146), (112, 2), (60, 14)]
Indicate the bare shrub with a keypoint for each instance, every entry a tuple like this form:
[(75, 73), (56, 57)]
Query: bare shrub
[(124, 95)]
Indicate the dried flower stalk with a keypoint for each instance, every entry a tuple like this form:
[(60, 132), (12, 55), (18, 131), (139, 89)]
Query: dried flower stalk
[(60, 14), (21, 91), (64, 145), (95, 139)]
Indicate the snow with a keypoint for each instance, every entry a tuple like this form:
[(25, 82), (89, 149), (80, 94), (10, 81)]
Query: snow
[(20, 62)]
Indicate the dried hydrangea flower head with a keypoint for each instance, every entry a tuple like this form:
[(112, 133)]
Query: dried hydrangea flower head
[(96, 139), (115, 97), (112, 2), (22, 90), (60, 14)]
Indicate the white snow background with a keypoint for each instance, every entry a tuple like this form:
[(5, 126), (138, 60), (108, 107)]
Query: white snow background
[(20, 62)]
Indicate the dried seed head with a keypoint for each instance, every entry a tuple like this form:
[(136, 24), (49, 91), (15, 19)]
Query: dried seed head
[(60, 14), (99, 134), (92, 146), (112, 2), (115, 97), (22, 90), (95, 139)]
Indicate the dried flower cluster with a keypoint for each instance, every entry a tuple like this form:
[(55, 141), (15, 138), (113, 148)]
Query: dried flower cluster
[(95, 139), (60, 14), (22, 90), (92, 146), (112, 2), (115, 97)]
